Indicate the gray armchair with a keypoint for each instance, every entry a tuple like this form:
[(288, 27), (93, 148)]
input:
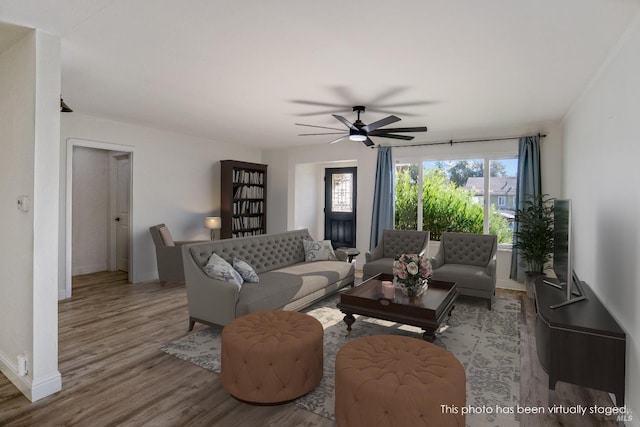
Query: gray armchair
[(168, 254), (470, 261), (393, 243)]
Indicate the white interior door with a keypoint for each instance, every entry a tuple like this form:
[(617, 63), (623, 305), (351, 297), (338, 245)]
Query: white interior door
[(123, 176)]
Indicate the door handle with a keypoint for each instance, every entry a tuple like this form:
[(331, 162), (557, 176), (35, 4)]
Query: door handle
[(118, 218)]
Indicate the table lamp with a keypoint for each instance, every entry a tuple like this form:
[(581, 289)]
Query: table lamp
[(213, 223)]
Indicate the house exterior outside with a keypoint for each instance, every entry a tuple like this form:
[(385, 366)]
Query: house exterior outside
[(502, 192)]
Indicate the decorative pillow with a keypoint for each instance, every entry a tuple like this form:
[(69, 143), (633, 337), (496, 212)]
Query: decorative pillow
[(318, 251), (246, 271), (219, 269)]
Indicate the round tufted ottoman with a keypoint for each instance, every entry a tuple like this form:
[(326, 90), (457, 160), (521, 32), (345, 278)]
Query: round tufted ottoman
[(397, 381), (271, 356)]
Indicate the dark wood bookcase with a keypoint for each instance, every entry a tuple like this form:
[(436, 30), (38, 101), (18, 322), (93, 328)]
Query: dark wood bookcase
[(243, 198)]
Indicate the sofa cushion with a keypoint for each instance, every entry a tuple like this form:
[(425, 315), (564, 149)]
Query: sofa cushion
[(279, 287), (218, 268), (264, 252), (382, 265), (396, 242), (466, 248), (318, 251), (246, 271), (465, 276)]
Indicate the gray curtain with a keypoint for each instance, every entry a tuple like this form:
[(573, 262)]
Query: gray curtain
[(529, 185), (382, 218)]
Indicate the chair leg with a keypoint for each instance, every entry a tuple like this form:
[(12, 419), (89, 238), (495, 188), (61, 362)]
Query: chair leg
[(489, 302), (192, 323)]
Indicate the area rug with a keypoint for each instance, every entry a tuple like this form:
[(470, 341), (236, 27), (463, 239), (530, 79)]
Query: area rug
[(487, 343)]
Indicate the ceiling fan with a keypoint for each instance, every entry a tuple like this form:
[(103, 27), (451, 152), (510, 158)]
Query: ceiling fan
[(358, 131)]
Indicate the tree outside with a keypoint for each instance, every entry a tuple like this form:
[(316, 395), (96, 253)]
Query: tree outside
[(446, 205)]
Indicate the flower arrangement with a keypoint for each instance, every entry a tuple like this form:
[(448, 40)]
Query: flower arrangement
[(412, 273)]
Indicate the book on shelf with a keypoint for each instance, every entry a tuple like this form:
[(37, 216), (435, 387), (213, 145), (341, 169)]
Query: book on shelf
[(249, 192), (247, 177), (247, 233), (248, 207)]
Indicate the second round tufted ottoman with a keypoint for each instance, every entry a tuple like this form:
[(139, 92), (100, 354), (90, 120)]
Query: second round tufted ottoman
[(271, 356), (397, 381)]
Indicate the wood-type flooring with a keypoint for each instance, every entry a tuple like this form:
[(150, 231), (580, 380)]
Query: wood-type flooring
[(114, 375)]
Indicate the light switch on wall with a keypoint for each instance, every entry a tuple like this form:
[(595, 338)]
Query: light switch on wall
[(24, 203)]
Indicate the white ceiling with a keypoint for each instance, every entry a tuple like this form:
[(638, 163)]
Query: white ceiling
[(232, 70)]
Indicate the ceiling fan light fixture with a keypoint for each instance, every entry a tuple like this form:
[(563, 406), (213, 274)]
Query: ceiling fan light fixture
[(358, 137)]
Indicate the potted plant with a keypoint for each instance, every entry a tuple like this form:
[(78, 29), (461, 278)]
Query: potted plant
[(534, 236)]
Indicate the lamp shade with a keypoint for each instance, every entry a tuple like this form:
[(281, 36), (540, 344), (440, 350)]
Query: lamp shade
[(213, 222)]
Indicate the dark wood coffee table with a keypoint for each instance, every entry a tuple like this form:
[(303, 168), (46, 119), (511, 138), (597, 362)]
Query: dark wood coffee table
[(426, 311)]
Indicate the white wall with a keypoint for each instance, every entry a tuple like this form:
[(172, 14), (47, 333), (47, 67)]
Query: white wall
[(90, 210), (285, 194), (306, 192), (29, 119), (17, 109), (176, 181), (601, 170), (292, 165), (309, 195)]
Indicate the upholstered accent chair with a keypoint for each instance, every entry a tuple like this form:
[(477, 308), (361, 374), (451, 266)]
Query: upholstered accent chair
[(393, 244), (469, 260), (168, 254)]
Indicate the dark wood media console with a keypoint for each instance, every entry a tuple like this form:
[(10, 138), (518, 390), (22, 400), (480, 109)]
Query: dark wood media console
[(580, 343)]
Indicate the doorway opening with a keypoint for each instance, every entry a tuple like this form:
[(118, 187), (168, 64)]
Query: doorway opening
[(98, 209)]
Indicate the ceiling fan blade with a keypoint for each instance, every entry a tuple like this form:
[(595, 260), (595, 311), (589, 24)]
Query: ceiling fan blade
[(339, 139), (345, 122), (387, 130), (382, 122), (368, 142), (326, 133), (391, 135), (408, 104), (315, 126), (322, 104)]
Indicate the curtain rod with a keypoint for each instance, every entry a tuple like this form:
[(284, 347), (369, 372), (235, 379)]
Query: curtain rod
[(462, 141)]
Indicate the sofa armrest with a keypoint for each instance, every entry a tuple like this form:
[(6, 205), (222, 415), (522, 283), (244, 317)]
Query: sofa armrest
[(491, 269), (341, 255), (374, 254), (437, 261), (186, 242), (209, 300)]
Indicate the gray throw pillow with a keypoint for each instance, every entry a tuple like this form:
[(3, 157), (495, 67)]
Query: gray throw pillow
[(219, 269), (318, 251), (246, 270)]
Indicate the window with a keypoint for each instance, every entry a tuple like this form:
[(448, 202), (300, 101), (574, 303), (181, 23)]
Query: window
[(455, 195), (341, 192)]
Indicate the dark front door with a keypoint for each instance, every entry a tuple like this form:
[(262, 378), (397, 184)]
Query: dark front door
[(340, 206)]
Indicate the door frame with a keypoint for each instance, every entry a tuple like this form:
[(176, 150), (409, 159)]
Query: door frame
[(342, 169), (76, 142)]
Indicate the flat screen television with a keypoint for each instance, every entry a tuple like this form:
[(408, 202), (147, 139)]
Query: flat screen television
[(568, 280)]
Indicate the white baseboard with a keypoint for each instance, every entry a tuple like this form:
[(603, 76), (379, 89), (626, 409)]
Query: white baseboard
[(33, 390), (510, 284), (46, 386), (88, 269)]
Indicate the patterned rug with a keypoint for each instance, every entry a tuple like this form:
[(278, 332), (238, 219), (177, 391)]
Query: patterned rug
[(487, 343)]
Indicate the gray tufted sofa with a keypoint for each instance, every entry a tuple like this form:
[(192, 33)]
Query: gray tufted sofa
[(470, 261), (287, 282), (393, 243)]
